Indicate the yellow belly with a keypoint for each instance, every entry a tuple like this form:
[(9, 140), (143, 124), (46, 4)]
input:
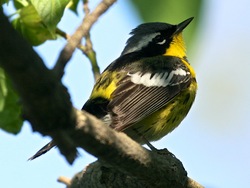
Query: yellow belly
[(160, 123)]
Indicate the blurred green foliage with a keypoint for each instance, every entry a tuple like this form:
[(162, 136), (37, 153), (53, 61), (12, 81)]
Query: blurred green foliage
[(10, 109)]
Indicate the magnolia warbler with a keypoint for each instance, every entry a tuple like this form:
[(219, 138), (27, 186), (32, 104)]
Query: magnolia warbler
[(149, 89)]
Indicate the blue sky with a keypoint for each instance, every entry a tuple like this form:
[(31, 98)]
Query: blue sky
[(212, 142)]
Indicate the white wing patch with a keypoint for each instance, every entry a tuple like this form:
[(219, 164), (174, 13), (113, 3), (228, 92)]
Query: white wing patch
[(159, 79)]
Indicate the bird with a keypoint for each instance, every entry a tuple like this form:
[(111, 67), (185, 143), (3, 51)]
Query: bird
[(149, 89)]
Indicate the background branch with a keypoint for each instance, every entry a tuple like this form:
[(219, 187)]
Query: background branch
[(82, 31), (89, 51)]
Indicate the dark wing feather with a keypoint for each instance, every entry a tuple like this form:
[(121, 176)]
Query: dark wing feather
[(43, 150), (133, 102)]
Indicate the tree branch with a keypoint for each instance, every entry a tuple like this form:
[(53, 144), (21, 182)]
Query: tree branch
[(122, 162), (46, 102), (104, 176), (82, 31)]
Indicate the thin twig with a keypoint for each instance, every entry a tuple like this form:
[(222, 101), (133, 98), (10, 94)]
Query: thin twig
[(86, 7), (89, 51), (62, 34), (193, 184), (65, 180), (82, 31), (66, 36)]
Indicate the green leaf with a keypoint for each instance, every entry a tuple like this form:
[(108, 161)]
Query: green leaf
[(50, 11), (38, 19), (3, 89), (4, 1), (10, 110), (20, 3), (73, 5), (30, 25)]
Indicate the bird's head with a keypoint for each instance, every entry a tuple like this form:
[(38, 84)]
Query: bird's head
[(152, 39)]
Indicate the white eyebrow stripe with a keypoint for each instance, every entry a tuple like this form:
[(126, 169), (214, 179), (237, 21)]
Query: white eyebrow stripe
[(142, 43), (159, 79)]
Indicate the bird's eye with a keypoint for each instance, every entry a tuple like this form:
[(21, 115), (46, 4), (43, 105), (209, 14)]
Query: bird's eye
[(159, 39)]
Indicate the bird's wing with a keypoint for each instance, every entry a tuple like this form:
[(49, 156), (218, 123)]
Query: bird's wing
[(140, 94)]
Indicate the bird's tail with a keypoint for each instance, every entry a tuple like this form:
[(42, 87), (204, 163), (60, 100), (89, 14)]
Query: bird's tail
[(43, 150)]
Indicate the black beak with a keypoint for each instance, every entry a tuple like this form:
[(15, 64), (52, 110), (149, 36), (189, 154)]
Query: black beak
[(182, 25)]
